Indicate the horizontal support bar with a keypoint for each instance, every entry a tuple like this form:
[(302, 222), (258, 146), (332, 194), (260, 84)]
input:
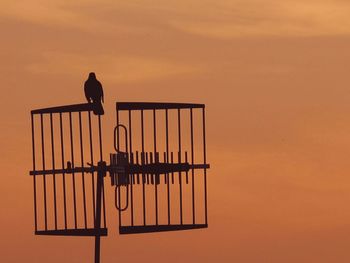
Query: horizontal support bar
[(155, 106), (158, 228), (199, 166), (66, 171), (153, 168), (65, 108), (74, 232), (157, 168)]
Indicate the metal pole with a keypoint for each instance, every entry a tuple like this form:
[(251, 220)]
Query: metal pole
[(100, 176)]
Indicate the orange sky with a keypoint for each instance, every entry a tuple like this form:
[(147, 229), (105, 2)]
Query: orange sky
[(274, 77)]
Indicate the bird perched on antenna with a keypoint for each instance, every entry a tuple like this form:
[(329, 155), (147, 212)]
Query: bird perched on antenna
[(94, 93)]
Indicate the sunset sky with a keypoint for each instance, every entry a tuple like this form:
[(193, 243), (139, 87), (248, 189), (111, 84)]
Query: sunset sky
[(274, 76)]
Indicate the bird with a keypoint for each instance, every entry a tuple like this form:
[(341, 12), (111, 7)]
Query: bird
[(94, 93)]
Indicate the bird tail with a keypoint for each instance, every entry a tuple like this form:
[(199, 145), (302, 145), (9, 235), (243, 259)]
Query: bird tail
[(98, 108)]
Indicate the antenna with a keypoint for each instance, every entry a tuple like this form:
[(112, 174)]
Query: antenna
[(158, 169)]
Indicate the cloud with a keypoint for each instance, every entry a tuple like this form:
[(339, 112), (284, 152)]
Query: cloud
[(86, 16), (217, 19), (230, 19), (39, 11), (124, 69)]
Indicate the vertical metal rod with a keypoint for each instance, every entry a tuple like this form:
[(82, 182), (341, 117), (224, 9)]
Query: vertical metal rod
[(186, 160), (100, 136), (53, 167), (151, 161), (192, 162), (43, 164), (63, 175), (92, 163), (156, 160), (143, 162), (101, 158), (97, 248), (104, 204), (179, 159), (82, 165), (155, 154), (167, 160), (73, 174), (100, 194), (172, 161), (132, 161), (34, 176), (97, 225), (205, 170), (119, 204), (143, 175), (137, 162), (131, 175), (147, 175)]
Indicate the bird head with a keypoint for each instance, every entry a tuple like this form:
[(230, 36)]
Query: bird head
[(92, 75)]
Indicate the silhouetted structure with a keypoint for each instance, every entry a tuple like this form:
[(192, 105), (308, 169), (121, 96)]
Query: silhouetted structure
[(94, 93), (163, 169)]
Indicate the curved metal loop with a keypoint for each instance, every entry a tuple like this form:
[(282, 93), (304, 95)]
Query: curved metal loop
[(116, 135), (117, 200)]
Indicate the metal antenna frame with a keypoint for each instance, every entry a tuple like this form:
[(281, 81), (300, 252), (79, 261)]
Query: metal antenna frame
[(122, 169)]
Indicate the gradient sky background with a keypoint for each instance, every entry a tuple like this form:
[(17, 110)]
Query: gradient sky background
[(275, 78)]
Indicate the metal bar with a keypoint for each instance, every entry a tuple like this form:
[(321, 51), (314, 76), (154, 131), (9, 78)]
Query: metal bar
[(74, 232), (97, 224), (104, 204), (151, 168), (34, 177), (167, 160), (205, 170), (101, 159), (172, 173), (92, 163), (159, 228), (151, 162), (43, 165), (186, 160), (143, 175), (156, 175), (73, 175), (192, 162), (179, 160), (53, 167), (147, 175), (63, 175), (157, 167), (66, 108), (82, 165), (155, 106), (100, 136), (131, 175), (155, 153), (137, 162), (132, 161), (76, 169), (199, 166), (119, 203)]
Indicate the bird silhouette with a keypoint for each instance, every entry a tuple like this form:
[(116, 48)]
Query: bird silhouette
[(94, 93)]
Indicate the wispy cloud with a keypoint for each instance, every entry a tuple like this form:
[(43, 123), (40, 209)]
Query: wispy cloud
[(218, 19), (88, 16), (123, 69), (227, 19)]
